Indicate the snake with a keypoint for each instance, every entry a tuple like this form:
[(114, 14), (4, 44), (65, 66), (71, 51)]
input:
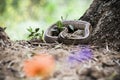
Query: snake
[(81, 27)]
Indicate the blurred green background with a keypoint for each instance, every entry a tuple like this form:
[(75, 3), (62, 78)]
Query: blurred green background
[(18, 15)]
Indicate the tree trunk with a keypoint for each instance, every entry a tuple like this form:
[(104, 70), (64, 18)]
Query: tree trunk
[(104, 16), (4, 39)]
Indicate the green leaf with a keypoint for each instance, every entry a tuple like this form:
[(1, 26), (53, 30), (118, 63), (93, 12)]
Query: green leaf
[(37, 29), (30, 29), (42, 33), (37, 34), (62, 18), (59, 24), (32, 34)]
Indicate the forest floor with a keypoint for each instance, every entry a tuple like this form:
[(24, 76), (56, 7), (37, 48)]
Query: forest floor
[(104, 64)]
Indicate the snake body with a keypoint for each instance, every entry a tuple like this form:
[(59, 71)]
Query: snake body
[(65, 37)]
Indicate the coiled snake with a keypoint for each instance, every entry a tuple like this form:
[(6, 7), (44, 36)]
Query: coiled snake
[(81, 34)]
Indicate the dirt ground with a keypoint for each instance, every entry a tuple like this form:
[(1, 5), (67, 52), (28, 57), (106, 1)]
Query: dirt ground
[(103, 65)]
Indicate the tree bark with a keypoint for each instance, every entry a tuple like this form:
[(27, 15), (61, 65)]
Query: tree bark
[(104, 16), (4, 39)]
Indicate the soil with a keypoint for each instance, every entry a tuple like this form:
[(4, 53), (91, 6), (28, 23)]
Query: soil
[(104, 65)]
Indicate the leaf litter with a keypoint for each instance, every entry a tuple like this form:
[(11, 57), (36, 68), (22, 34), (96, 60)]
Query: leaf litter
[(72, 62)]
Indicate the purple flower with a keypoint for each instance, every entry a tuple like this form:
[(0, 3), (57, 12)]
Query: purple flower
[(81, 55)]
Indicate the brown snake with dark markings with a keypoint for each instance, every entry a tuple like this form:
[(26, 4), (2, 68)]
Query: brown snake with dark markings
[(80, 36)]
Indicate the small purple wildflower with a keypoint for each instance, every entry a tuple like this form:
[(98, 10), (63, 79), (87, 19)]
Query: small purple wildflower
[(81, 55)]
